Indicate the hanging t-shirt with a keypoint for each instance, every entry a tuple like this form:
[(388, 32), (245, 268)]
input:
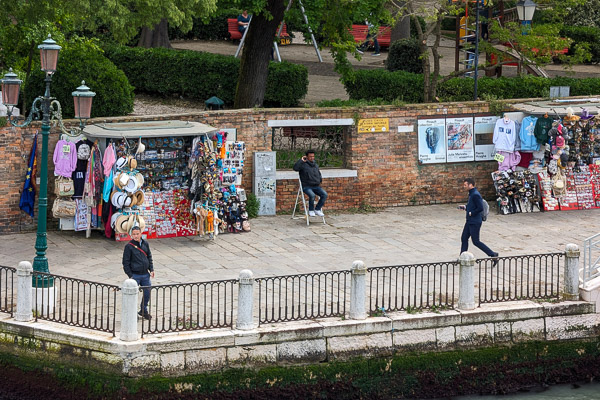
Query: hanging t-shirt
[(505, 135), (527, 135), (542, 126), (65, 158)]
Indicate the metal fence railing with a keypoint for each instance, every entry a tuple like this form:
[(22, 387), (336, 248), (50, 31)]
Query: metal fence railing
[(190, 306), (75, 302), (412, 287), (526, 277), (7, 290), (306, 296), (591, 258)]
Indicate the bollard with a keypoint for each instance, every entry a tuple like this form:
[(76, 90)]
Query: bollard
[(466, 293), (129, 324), (24, 302), (245, 301), (358, 290), (572, 272)]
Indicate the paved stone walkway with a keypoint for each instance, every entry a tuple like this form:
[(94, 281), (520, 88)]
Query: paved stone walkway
[(279, 245)]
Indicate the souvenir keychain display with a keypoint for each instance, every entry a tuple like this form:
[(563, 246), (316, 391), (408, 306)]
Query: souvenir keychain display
[(517, 191)]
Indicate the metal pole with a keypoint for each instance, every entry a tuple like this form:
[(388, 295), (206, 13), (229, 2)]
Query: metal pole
[(476, 49), (40, 262), (237, 52), (312, 36)]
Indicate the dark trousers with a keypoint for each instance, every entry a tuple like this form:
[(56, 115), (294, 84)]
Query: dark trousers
[(143, 280), (472, 231), (311, 191)]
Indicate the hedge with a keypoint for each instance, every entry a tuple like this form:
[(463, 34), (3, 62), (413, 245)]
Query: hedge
[(114, 94), (581, 35), (408, 87), (198, 75)]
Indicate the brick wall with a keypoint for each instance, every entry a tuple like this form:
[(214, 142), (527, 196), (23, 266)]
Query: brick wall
[(388, 173)]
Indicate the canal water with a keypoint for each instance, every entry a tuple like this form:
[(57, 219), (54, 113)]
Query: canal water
[(587, 391)]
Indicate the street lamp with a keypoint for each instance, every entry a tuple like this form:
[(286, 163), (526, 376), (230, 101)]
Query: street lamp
[(525, 11), (50, 110)]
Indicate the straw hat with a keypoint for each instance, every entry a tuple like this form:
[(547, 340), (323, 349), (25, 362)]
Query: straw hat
[(121, 223), (141, 223), (138, 198), (113, 219), (118, 199), (121, 162), (132, 184), (132, 163), (126, 200), (123, 178), (140, 179), (140, 147), (130, 223)]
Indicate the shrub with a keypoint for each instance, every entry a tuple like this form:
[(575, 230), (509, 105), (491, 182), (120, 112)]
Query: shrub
[(405, 55), (114, 94), (198, 75), (380, 84), (252, 205), (581, 35)]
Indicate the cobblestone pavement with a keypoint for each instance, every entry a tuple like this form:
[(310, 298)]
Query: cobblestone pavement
[(279, 245)]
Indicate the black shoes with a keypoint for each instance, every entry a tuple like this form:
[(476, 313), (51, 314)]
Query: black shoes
[(495, 261), (145, 315)]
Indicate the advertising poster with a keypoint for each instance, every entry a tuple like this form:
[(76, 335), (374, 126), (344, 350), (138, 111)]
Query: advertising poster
[(431, 141), (484, 135), (459, 139)]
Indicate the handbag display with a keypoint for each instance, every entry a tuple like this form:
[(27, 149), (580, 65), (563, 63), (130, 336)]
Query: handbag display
[(64, 187), (64, 208)]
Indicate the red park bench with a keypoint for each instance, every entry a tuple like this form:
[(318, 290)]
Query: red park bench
[(384, 37), (235, 34)]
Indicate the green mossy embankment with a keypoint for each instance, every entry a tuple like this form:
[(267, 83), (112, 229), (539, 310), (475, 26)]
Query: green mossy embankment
[(430, 375)]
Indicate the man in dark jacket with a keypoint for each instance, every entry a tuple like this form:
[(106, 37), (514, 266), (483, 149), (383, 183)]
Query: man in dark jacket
[(311, 179), (474, 210), (137, 264)]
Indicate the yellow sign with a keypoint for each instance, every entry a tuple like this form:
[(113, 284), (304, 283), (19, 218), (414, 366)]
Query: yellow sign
[(372, 125)]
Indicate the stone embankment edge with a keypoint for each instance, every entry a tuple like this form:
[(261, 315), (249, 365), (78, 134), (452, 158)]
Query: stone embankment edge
[(303, 342)]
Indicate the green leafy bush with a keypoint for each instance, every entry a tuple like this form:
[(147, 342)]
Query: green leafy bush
[(381, 84), (252, 205), (114, 94), (583, 34), (198, 75), (405, 55)]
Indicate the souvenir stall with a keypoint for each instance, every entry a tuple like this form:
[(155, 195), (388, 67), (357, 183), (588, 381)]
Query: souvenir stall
[(171, 178), (547, 161)]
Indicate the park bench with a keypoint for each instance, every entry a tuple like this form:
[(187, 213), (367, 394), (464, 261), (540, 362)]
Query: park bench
[(235, 34), (384, 36)]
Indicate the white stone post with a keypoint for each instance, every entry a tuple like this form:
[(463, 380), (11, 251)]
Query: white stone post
[(24, 302), (572, 272), (466, 293), (358, 290), (129, 325), (245, 301)]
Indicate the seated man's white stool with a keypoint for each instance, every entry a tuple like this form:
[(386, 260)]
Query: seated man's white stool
[(307, 213)]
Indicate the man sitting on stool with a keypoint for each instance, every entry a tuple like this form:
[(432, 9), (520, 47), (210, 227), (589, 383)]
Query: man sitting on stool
[(311, 179)]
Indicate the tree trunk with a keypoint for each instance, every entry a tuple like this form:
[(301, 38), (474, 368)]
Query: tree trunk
[(256, 55), (436, 58), (157, 37)]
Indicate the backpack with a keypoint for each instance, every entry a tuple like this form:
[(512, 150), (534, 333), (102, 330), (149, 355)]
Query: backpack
[(486, 210)]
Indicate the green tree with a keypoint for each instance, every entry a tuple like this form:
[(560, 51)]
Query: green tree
[(331, 18)]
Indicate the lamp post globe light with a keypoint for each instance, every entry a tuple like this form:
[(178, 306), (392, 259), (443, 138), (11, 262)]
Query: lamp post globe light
[(525, 11), (47, 109)]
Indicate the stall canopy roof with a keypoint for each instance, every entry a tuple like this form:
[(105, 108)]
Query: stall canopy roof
[(559, 106), (147, 129)]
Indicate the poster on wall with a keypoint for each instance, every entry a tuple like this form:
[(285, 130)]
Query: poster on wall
[(431, 141), (484, 135), (459, 139)]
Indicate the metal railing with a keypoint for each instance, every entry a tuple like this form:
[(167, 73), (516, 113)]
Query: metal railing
[(524, 277), (591, 258), (412, 287), (190, 306), (306, 296), (7, 290), (75, 302)]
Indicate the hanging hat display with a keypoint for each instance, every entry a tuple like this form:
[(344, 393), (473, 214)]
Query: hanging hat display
[(141, 147), (121, 162), (585, 115), (132, 184)]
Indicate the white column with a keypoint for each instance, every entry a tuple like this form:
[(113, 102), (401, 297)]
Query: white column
[(24, 303), (129, 325), (358, 290), (245, 301), (572, 272), (466, 294)]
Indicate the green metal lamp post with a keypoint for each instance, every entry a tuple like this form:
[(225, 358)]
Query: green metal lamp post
[(50, 110)]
